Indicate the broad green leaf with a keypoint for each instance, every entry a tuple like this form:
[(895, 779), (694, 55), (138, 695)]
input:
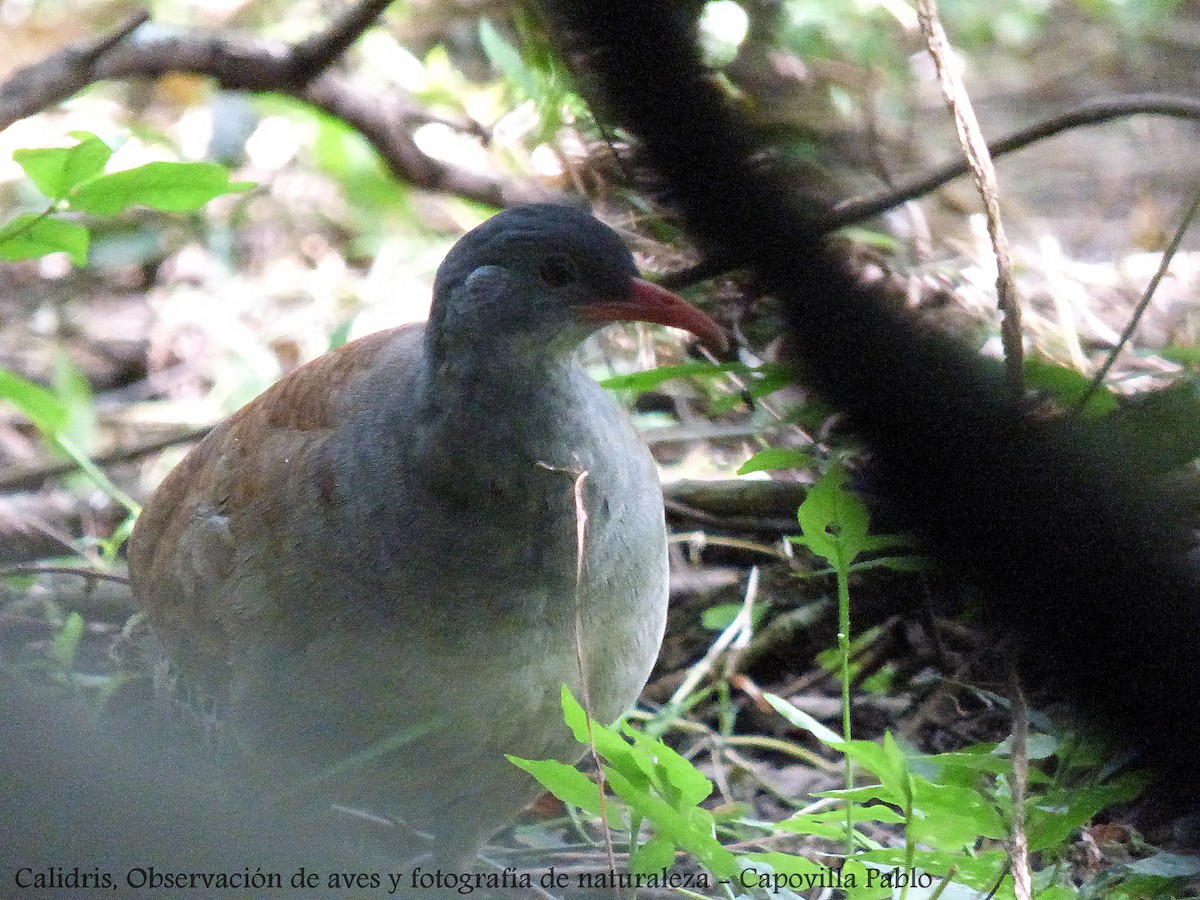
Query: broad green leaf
[(951, 817), (833, 520), (652, 378), (45, 410), (56, 170), (66, 642), (1068, 386), (869, 884), (682, 783), (72, 388), (691, 832), (166, 186), (565, 782), (832, 825), (979, 871), (776, 458), (1053, 817), (609, 744), (505, 57), (653, 856), (721, 616), (893, 772), (803, 720), (31, 235)]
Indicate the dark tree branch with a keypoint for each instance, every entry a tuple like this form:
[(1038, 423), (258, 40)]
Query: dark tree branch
[(247, 64), (314, 55)]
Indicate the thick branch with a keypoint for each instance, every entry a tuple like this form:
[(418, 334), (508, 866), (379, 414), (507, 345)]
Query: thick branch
[(248, 64)]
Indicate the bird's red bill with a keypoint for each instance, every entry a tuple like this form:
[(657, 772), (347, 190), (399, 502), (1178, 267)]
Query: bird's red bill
[(650, 303)]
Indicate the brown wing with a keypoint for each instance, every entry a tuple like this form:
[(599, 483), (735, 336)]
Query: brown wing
[(234, 493)]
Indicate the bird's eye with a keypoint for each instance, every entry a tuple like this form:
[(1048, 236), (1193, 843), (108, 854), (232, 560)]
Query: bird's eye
[(557, 271)]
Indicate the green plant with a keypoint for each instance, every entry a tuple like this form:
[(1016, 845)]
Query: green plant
[(952, 813), (73, 181)]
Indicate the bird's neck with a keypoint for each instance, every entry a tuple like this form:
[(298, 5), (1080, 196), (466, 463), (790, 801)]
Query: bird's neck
[(502, 396)]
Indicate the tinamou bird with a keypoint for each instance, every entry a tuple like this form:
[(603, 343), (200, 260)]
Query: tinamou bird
[(382, 570)]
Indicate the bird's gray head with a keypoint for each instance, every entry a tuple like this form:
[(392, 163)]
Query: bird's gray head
[(544, 277)]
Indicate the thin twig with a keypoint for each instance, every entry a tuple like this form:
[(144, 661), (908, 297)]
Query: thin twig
[(976, 151), (21, 478), (89, 574), (1144, 303), (1018, 840), (854, 211)]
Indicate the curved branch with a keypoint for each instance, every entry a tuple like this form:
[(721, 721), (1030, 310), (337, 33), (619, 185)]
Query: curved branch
[(851, 212), (249, 64)]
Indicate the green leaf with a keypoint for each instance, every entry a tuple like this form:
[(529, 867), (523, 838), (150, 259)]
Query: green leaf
[(806, 722), (1053, 817), (72, 388), (721, 616), (776, 458), (609, 744), (652, 378), (865, 887), (978, 871), (691, 831), (56, 170), (1167, 865), (677, 779), (40, 406), (31, 235), (832, 825), (653, 856), (166, 186), (507, 59), (565, 782), (951, 817), (833, 520), (66, 642), (1068, 386)]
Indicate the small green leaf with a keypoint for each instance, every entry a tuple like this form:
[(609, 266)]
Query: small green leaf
[(653, 856), (832, 825), (721, 616), (56, 170), (42, 407), (166, 186), (776, 458), (1068, 386), (691, 832), (72, 388), (66, 642), (806, 722), (609, 744), (565, 782), (1054, 816), (1167, 865), (505, 57), (951, 817), (833, 520), (677, 779), (639, 382), (31, 235)]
